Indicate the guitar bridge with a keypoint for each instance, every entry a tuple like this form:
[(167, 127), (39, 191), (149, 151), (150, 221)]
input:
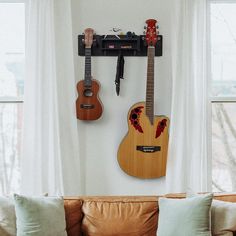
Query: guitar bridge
[(149, 149), (87, 106)]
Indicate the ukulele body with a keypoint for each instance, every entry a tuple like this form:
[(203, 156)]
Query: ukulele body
[(88, 104), (143, 151)]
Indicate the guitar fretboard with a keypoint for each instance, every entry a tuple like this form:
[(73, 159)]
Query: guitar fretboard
[(150, 85), (87, 72)]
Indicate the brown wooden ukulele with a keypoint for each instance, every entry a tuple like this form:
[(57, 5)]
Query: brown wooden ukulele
[(88, 104), (143, 151)]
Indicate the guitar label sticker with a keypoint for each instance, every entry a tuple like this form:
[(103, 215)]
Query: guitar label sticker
[(134, 118), (160, 127)]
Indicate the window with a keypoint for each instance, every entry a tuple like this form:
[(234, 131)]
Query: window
[(223, 94), (12, 60)]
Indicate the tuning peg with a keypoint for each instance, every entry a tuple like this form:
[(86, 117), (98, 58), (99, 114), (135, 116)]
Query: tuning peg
[(144, 32), (157, 26), (145, 27)]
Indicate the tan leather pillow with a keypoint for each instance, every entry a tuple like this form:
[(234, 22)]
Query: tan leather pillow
[(73, 214), (116, 218), (223, 218)]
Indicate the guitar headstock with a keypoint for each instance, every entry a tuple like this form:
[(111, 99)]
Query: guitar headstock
[(88, 37), (151, 32)]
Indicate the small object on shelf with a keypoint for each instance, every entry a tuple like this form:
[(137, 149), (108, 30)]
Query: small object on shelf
[(129, 34)]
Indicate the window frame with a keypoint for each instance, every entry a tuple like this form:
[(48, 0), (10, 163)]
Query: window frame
[(9, 99), (13, 1), (16, 100), (213, 99)]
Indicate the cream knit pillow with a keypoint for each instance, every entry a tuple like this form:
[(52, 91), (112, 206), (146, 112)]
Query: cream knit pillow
[(223, 218), (7, 217)]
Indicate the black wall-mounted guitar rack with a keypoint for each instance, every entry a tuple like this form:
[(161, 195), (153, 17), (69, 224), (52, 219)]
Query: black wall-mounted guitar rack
[(114, 45)]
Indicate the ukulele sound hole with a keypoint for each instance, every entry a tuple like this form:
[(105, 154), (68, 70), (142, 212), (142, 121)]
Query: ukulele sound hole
[(88, 93)]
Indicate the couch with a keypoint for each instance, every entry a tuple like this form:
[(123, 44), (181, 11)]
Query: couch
[(117, 215)]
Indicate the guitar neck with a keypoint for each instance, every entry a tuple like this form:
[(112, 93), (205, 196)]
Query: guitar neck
[(150, 84), (87, 71)]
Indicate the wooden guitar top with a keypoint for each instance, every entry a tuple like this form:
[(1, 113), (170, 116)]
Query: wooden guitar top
[(143, 151)]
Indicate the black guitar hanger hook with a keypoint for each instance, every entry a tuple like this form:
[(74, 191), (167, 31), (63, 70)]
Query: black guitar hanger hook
[(119, 72)]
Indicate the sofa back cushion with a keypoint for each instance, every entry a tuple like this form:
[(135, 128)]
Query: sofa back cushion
[(73, 214), (120, 216)]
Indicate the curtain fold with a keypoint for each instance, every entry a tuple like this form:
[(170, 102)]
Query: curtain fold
[(50, 161), (188, 164)]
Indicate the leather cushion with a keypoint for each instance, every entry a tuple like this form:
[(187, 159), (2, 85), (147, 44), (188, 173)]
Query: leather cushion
[(120, 216), (73, 214)]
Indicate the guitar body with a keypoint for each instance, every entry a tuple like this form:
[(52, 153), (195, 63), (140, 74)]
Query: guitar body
[(143, 151), (88, 104)]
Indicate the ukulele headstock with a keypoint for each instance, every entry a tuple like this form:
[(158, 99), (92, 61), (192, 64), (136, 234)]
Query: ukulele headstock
[(88, 37), (151, 32)]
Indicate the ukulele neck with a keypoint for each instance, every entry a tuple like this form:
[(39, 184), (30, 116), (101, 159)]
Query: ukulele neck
[(87, 71), (150, 85)]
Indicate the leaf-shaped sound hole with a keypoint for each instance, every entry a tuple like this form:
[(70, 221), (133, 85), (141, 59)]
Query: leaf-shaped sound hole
[(160, 127), (134, 118)]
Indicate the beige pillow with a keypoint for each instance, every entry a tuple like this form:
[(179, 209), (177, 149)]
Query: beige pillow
[(223, 218), (7, 217)]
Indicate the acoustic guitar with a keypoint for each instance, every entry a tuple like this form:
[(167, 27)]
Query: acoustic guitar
[(88, 104), (143, 151)]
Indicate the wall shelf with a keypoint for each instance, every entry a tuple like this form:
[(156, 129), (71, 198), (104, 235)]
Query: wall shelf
[(113, 45)]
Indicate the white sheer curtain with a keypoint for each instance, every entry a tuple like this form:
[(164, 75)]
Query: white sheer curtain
[(50, 161), (188, 165)]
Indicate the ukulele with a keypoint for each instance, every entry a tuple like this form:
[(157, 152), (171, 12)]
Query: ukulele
[(143, 151), (88, 104)]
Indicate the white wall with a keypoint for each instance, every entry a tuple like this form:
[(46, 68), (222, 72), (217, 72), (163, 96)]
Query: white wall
[(99, 140)]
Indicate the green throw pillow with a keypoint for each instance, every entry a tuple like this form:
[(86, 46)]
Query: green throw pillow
[(40, 216), (185, 217)]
